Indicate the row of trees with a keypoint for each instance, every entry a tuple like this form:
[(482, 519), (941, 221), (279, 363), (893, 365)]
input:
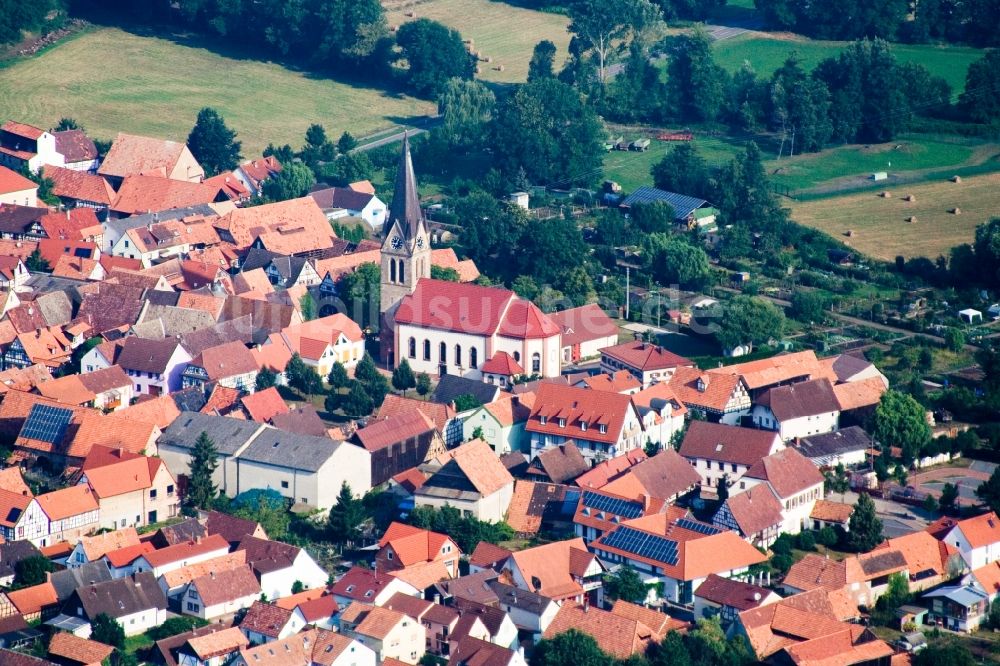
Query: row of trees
[(862, 95), (929, 20), (339, 36), (18, 16)]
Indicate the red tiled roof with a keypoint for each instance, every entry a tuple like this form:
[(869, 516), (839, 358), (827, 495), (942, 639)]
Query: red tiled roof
[(23, 130), (181, 551), (619, 636), (576, 406), (79, 185), (716, 391), (381, 434), (583, 324), (80, 650), (131, 154), (143, 194), (645, 356), (619, 382), (455, 306), (412, 544), (525, 321), (603, 472), (715, 441), (788, 471), (733, 593), (12, 181), (263, 405), (981, 530), (129, 554), (395, 404), (755, 510), (502, 363)]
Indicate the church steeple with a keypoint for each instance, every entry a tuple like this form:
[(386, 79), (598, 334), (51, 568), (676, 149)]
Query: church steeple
[(405, 208)]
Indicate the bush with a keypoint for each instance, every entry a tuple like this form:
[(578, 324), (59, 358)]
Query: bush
[(782, 545), (782, 563), (806, 541), (827, 537)]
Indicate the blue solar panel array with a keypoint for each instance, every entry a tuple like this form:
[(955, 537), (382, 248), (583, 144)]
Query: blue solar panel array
[(646, 545), (46, 423), (695, 526), (613, 505)]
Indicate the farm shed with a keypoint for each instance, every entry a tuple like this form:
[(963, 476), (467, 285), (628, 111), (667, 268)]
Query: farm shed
[(970, 316), (689, 212)]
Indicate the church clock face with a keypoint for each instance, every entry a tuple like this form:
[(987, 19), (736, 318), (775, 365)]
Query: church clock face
[(420, 242), (397, 243)]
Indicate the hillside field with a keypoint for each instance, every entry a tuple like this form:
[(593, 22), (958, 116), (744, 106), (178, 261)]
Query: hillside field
[(767, 53), (114, 81), (505, 33), (880, 225)]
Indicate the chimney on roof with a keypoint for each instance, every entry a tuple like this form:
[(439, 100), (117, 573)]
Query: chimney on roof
[(586, 605)]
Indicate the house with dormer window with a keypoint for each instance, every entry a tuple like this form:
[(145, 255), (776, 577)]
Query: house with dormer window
[(601, 424), (403, 545), (716, 451)]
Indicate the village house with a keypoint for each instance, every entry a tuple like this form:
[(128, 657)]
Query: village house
[(795, 481), (794, 629), (557, 464), (977, 539), (369, 586), (602, 425), (136, 602), (958, 607), (92, 548), (501, 369), (563, 570), (647, 362), (25, 146), (143, 193), (397, 443), (132, 491), (174, 557), (108, 389), (230, 364), (174, 583), (403, 545), (71, 512), (279, 566), (530, 612), (470, 478), (325, 341), (860, 579), (253, 173), (586, 330), (726, 598), (440, 622), (846, 446), (21, 517), (265, 623), (798, 410), (13, 273), (689, 212), (220, 593), (68, 648), (619, 636), (500, 423), (213, 645), (285, 227), (678, 552), (755, 514), (155, 366), (153, 243), (718, 451), (599, 511), (341, 202), (132, 155), (718, 397), (662, 413), (121, 562), (619, 381), (390, 634), (929, 562), (323, 648)]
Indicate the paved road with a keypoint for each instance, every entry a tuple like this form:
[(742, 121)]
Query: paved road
[(418, 126)]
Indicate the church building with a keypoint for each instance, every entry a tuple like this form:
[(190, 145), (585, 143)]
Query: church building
[(443, 327)]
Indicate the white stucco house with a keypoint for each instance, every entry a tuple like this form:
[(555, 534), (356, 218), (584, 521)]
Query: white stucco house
[(472, 479), (798, 410), (977, 539)]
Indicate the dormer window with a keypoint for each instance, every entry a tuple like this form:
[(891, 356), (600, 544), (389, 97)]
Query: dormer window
[(562, 423), (602, 428), (389, 555), (583, 426), (543, 419)]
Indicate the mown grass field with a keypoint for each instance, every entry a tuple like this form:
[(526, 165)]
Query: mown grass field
[(767, 53), (114, 81), (880, 225), (505, 33)]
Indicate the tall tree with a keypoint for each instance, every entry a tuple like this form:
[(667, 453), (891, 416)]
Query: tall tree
[(32, 570), (213, 144), (696, 83), (625, 584), (403, 378), (266, 378), (570, 647), (545, 128), (307, 307), (865, 528), (466, 108), (800, 108), (901, 421), (603, 25), (338, 377), (105, 629), (542, 65), (204, 461), (682, 170), (359, 290), (294, 181), (672, 260), (748, 320), (989, 491), (987, 255), (434, 53), (491, 231), (346, 516), (743, 192), (550, 249)]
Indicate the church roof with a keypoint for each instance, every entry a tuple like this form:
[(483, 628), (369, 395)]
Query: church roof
[(405, 207)]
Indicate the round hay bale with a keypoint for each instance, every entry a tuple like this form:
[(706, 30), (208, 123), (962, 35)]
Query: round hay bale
[(850, 233), (912, 219), (956, 211), (410, 14), (475, 54), (393, 28), (487, 58), (499, 68), (479, 70), (956, 179), (885, 194), (911, 198)]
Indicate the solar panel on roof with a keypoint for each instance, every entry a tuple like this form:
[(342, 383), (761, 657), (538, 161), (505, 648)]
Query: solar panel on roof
[(46, 423), (695, 526), (643, 544), (613, 505)]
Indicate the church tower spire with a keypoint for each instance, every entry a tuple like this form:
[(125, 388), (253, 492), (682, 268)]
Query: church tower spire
[(405, 208), (406, 249)]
